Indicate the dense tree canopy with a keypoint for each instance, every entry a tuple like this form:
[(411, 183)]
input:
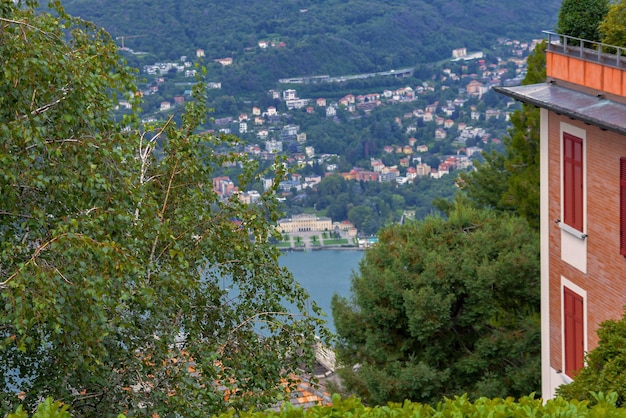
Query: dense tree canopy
[(444, 307), (320, 37), (125, 283), (613, 26), (581, 18)]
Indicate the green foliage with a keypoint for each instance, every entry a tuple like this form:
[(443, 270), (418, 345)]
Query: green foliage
[(487, 185), (442, 307), (613, 26), (580, 18), (125, 283), (536, 65), (372, 205), (604, 367), (46, 409), (459, 406), (322, 37), (522, 148)]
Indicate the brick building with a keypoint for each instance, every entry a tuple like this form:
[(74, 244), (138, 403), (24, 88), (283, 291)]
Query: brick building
[(583, 200)]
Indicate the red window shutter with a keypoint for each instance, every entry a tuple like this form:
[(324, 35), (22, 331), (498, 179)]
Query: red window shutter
[(622, 206), (573, 181), (573, 316)]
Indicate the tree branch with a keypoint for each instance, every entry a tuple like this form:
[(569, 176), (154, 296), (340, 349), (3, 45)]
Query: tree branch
[(19, 22), (58, 141), (169, 187), (48, 106), (33, 257), (17, 215), (255, 317)]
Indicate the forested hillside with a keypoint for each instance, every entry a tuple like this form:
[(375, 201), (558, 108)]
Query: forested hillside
[(331, 37)]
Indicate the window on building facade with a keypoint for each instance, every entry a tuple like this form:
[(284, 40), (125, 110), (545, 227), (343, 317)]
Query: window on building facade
[(573, 181), (573, 331), (622, 206)]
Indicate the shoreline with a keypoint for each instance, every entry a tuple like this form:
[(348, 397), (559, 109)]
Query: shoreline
[(303, 241), (321, 248)]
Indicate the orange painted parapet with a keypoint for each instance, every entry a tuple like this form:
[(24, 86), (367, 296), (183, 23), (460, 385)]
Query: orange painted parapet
[(593, 75)]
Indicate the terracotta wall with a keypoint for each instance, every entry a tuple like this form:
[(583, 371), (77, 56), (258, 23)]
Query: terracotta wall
[(605, 280)]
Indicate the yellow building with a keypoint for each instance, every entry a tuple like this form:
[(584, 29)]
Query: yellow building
[(304, 222)]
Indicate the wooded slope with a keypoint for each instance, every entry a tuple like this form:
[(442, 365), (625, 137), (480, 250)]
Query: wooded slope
[(332, 37)]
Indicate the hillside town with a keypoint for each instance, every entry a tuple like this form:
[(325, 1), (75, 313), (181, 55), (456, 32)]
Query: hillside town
[(464, 126), (443, 123)]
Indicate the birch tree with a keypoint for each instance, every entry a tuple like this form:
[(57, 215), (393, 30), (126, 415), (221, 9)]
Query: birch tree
[(126, 283)]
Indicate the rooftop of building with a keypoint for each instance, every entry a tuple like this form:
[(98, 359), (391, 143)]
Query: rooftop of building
[(586, 81)]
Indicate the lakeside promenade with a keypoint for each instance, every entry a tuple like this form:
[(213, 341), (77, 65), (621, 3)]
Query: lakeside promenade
[(320, 240)]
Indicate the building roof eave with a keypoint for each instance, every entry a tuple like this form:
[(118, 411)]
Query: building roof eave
[(593, 110)]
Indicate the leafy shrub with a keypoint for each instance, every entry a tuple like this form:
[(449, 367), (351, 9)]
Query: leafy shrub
[(46, 409), (605, 365), (460, 406)]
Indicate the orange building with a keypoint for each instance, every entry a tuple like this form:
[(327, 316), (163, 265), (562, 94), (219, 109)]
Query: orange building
[(583, 199)]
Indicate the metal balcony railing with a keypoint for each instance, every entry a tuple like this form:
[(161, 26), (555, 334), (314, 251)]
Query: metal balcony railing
[(605, 54)]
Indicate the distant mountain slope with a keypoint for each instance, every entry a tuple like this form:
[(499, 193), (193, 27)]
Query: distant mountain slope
[(320, 37)]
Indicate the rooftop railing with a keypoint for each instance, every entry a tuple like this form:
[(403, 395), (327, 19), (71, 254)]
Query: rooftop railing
[(587, 50)]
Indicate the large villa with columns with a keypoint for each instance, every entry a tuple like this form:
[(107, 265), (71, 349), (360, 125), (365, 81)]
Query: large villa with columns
[(304, 222)]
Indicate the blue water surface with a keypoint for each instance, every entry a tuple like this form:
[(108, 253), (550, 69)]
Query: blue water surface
[(323, 273)]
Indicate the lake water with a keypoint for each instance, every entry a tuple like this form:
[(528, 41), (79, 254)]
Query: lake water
[(323, 273)]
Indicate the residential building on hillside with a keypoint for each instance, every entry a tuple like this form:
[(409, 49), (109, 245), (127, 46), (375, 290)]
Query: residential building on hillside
[(422, 169), (165, 106), (290, 130), (224, 61), (359, 174), (273, 146), (583, 199), (248, 197), (459, 52), (347, 227), (290, 94), (296, 103), (224, 187)]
